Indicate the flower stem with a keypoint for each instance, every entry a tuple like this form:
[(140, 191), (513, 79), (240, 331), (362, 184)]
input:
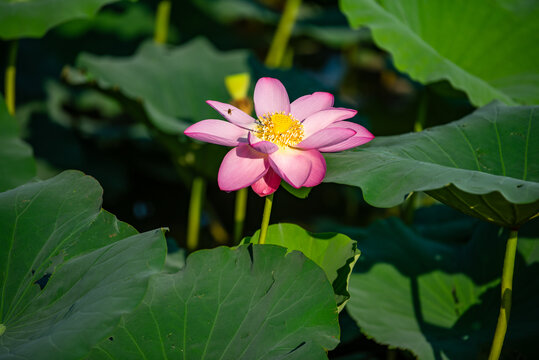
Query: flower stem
[(265, 219), (507, 290), (161, 22), (9, 81), (239, 214), (195, 208), (282, 34)]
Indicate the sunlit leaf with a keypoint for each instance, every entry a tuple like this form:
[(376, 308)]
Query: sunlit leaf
[(69, 270), (484, 165), (486, 48), (251, 302), (335, 253)]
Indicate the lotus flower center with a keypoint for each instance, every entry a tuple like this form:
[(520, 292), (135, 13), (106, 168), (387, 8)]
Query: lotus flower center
[(279, 128)]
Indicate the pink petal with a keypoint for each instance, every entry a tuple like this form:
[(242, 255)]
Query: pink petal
[(241, 167), (318, 168), (361, 137), (267, 184), (307, 105), (322, 119), (326, 137), (291, 165), (270, 96), (266, 147), (217, 132), (233, 114)]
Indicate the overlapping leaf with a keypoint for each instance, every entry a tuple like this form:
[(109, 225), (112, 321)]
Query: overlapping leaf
[(441, 300), (68, 270), (335, 253), (485, 165), (33, 18), (251, 302), (485, 48)]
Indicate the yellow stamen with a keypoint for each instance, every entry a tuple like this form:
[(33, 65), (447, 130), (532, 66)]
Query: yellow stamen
[(280, 128)]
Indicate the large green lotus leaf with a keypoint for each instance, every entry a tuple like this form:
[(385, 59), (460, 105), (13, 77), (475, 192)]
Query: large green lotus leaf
[(440, 300), (33, 18), (249, 302), (335, 253), (172, 83), (17, 165), (484, 165), (69, 270), (486, 48)]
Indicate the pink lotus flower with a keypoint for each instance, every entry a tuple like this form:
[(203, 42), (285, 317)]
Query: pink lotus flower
[(283, 143)]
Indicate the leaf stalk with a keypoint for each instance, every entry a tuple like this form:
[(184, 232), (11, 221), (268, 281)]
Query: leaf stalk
[(9, 81), (195, 209), (279, 43), (506, 295)]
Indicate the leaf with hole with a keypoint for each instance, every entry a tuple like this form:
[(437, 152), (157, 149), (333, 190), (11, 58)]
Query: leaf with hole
[(69, 270), (484, 165), (486, 48), (249, 302)]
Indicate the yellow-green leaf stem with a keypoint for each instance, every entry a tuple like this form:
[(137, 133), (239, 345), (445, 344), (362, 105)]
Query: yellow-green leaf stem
[(9, 81), (282, 34), (161, 22), (506, 295), (265, 219), (195, 208), (239, 213)]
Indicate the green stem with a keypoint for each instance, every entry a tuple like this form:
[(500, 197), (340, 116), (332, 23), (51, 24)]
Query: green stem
[(161, 22), (421, 112), (239, 214), (265, 219), (507, 290), (282, 34), (9, 81), (195, 209)]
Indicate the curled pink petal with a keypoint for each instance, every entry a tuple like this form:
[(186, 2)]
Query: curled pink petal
[(266, 147), (270, 96), (217, 132), (267, 184), (318, 168), (361, 137), (326, 137), (233, 114), (291, 165), (241, 167), (324, 118), (303, 107)]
